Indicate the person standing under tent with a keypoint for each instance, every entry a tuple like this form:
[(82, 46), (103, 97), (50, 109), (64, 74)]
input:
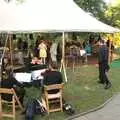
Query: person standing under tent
[(53, 52), (103, 64), (20, 51), (88, 48), (42, 52), (35, 49)]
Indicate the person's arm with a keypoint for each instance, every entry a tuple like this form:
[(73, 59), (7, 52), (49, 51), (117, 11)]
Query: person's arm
[(45, 72)]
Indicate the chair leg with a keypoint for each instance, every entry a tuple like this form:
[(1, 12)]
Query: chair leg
[(13, 99), (47, 104), (61, 105), (17, 100), (0, 108)]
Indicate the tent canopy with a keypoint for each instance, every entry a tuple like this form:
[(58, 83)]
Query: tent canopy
[(48, 16)]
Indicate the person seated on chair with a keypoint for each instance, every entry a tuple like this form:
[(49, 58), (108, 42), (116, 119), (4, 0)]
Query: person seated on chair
[(11, 82), (52, 76)]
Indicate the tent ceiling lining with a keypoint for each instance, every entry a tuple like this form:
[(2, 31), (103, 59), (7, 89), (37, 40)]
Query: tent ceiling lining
[(43, 16)]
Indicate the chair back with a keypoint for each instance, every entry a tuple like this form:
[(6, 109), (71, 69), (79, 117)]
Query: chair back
[(53, 87), (53, 98)]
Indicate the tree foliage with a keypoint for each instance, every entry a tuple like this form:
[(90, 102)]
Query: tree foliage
[(107, 13), (112, 15), (96, 7)]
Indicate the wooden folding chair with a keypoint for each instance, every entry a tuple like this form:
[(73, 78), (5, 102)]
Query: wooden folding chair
[(53, 101), (15, 99)]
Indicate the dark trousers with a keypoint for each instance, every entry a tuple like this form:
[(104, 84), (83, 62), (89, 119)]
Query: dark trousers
[(103, 73)]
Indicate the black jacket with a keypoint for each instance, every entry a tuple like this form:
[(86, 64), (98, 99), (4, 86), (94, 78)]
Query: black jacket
[(52, 77), (103, 54), (103, 58)]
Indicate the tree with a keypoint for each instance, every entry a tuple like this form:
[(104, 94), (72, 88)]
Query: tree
[(112, 15), (96, 7)]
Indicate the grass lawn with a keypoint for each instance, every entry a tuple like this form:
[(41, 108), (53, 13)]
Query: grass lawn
[(81, 90)]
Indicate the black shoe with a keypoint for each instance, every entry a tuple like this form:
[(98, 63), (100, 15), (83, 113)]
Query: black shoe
[(101, 82), (108, 86)]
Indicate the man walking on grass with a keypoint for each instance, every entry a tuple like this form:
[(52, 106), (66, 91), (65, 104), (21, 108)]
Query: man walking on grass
[(103, 64)]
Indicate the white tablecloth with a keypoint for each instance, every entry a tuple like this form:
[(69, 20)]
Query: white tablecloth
[(23, 77), (28, 77)]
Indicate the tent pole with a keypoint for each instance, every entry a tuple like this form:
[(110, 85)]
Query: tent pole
[(63, 46), (4, 48), (63, 56), (1, 60), (28, 52), (109, 55), (112, 48), (11, 50)]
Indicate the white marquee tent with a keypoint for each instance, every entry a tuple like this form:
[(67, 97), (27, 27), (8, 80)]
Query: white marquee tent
[(48, 16)]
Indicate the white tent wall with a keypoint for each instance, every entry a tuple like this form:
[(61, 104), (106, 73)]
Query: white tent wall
[(48, 16)]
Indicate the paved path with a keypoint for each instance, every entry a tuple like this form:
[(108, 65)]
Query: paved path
[(110, 111)]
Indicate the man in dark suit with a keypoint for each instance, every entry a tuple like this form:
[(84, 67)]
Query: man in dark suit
[(52, 76), (103, 64)]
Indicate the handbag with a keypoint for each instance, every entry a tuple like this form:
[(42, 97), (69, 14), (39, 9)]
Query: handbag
[(39, 108)]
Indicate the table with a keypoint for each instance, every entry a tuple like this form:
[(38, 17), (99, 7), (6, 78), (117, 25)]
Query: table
[(30, 74)]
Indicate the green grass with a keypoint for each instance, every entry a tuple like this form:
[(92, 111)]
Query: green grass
[(81, 90), (116, 63)]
